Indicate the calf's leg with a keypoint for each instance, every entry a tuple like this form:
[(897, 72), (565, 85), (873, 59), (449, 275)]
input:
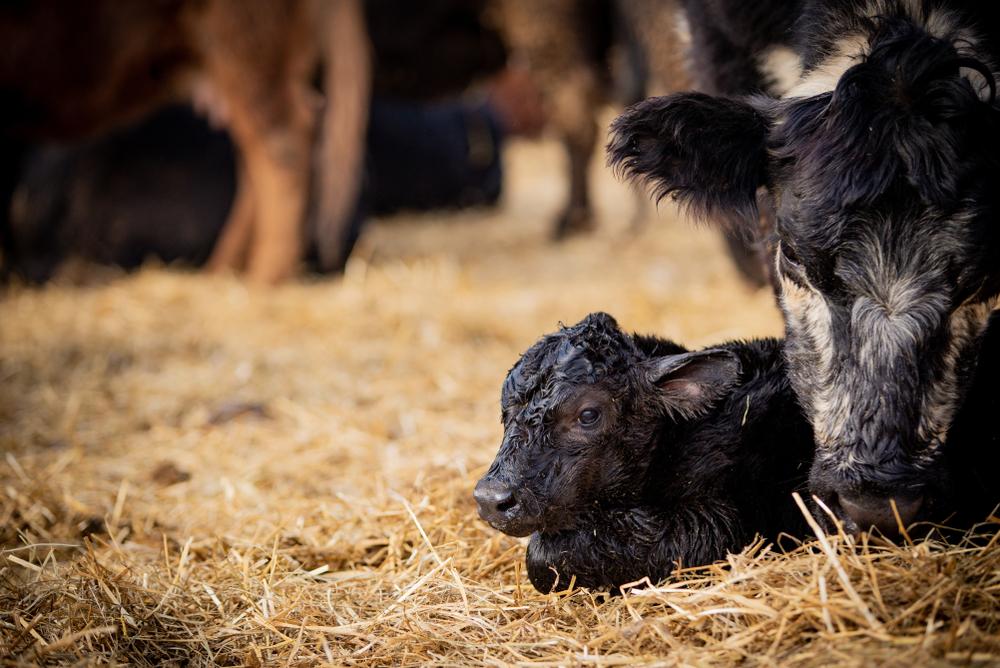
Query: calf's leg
[(616, 547)]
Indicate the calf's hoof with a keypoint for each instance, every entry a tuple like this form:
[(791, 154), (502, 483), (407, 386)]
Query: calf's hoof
[(540, 565)]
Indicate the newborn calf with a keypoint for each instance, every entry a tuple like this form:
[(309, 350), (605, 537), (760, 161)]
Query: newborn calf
[(624, 455)]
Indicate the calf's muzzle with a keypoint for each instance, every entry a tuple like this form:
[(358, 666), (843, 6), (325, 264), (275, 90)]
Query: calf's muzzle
[(499, 507)]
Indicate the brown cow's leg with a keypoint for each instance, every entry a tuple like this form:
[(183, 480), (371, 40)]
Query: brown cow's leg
[(260, 56), (342, 145), (230, 252), (264, 231), (279, 172)]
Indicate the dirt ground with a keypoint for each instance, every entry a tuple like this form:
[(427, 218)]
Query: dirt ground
[(199, 473)]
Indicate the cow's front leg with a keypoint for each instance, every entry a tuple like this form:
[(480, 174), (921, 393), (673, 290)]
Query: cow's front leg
[(230, 251), (279, 173), (259, 58), (573, 103)]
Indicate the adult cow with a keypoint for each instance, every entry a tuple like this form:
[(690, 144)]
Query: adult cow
[(69, 69), (882, 164)]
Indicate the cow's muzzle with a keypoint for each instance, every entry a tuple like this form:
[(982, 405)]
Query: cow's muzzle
[(887, 514)]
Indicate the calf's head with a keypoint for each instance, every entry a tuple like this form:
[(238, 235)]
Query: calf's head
[(883, 169), (580, 410)]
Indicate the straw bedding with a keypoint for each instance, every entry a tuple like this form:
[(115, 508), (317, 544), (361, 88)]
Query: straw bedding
[(200, 473)]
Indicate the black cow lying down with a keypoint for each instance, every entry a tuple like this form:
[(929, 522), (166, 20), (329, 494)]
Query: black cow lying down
[(625, 454)]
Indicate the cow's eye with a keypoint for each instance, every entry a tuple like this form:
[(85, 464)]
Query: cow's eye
[(589, 417)]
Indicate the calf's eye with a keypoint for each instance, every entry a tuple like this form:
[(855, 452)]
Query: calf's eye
[(589, 417)]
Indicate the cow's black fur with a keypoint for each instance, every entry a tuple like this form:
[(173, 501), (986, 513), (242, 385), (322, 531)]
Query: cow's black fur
[(160, 188), (691, 454), (728, 54), (729, 38), (700, 129), (972, 460), (818, 24), (886, 239)]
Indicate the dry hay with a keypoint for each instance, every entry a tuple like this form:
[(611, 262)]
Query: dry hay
[(198, 473)]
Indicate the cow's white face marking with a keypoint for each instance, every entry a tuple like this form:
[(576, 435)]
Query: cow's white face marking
[(942, 398), (781, 67), (810, 331), (852, 48), (848, 51)]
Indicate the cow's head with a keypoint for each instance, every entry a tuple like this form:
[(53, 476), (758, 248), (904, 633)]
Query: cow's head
[(883, 168), (580, 409)]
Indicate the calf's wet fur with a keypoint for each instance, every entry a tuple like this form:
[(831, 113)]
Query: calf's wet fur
[(625, 455)]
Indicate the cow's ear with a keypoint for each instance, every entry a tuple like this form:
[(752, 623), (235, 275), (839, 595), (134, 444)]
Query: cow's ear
[(708, 153), (689, 383)]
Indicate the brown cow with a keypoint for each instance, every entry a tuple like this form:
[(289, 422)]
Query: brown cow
[(69, 69)]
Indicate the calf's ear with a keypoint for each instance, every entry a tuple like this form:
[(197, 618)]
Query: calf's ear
[(709, 153), (689, 383)]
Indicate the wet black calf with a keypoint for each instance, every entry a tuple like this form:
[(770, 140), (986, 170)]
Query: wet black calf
[(624, 454)]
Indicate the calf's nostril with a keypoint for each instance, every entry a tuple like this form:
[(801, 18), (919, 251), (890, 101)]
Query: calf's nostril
[(493, 497), (506, 504)]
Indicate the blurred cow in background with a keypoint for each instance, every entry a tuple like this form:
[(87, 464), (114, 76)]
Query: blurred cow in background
[(69, 70), (433, 50), (159, 188), (90, 199), (582, 51), (579, 51)]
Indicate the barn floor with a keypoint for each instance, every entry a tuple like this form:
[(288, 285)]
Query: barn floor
[(196, 473)]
